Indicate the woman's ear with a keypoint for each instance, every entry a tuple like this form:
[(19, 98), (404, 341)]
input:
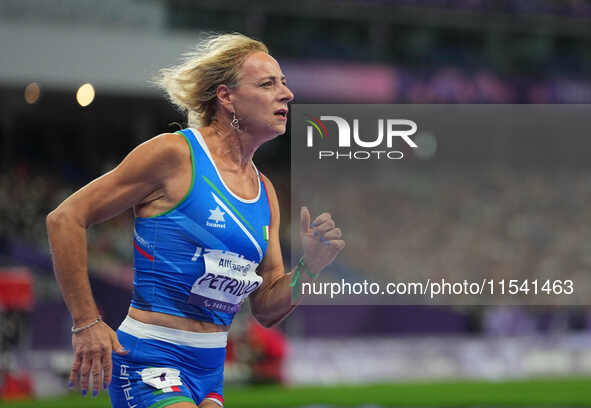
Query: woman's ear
[(224, 95)]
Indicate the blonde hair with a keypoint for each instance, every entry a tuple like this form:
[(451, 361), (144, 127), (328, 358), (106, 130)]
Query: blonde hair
[(192, 85)]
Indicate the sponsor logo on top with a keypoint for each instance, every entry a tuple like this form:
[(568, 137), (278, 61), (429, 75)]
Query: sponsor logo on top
[(216, 218)]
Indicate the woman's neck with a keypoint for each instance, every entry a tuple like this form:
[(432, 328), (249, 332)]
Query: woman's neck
[(235, 148)]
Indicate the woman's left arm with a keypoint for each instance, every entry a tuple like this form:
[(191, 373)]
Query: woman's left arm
[(321, 243)]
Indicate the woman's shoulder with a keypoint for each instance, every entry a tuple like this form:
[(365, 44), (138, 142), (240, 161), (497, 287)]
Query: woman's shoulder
[(159, 156), (168, 145)]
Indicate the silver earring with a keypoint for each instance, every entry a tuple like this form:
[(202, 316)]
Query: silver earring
[(235, 122)]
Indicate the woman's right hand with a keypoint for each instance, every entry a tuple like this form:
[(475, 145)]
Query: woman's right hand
[(92, 356), (321, 241)]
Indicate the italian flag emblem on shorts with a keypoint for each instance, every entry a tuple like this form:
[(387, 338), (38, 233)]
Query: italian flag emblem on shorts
[(266, 232), (167, 389)]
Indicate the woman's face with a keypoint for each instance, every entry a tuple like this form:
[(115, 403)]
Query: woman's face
[(261, 98)]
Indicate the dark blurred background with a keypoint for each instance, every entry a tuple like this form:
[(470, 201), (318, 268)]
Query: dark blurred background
[(376, 51)]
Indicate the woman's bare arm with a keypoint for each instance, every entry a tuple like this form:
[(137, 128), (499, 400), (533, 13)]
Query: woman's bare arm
[(149, 168), (272, 302)]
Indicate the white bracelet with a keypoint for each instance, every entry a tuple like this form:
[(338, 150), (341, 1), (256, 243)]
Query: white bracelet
[(79, 329)]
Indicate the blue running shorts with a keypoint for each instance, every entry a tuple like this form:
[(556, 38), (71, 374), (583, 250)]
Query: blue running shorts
[(165, 366)]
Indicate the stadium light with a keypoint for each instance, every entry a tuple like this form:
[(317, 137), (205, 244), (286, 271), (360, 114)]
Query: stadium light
[(85, 94), (32, 92)]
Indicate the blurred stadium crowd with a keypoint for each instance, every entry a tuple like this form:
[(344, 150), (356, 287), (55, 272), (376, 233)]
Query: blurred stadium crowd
[(471, 222)]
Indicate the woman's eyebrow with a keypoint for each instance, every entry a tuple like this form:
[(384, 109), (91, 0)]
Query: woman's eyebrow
[(272, 77)]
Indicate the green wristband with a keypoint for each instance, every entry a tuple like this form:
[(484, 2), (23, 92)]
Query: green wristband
[(308, 272), (295, 278)]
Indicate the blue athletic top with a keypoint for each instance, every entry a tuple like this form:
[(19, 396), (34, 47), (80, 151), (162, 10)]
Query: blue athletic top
[(199, 259)]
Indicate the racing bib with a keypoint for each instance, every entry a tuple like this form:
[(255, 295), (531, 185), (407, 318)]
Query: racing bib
[(228, 279)]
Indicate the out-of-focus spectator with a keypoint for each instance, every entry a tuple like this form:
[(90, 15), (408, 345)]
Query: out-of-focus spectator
[(256, 354)]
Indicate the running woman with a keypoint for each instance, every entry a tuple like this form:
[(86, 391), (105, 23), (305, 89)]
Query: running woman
[(206, 235)]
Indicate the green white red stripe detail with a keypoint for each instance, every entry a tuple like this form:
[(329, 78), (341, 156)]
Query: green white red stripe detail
[(269, 201), (266, 232), (174, 388)]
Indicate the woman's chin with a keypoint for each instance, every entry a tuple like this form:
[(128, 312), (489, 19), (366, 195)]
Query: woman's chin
[(276, 131), (281, 129)]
